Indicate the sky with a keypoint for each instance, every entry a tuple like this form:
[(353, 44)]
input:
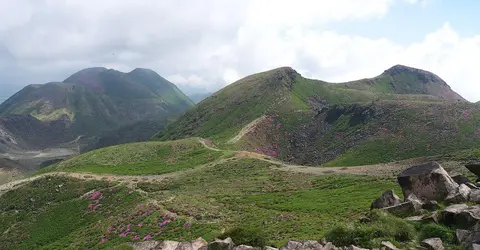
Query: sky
[(205, 45)]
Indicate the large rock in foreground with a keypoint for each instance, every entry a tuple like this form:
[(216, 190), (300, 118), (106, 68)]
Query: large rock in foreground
[(428, 181)]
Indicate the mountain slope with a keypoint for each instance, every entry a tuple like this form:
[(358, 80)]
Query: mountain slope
[(282, 114), (224, 113), (96, 100)]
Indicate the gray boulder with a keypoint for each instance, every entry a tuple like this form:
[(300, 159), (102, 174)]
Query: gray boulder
[(226, 244), (244, 247), (198, 244), (461, 215), (468, 238), (464, 237), (270, 248), (433, 244), (428, 181), (387, 199), (302, 245), (431, 205), (387, 245), (146, 245), (170, 245), (401, 209), (329, 246), (417, 203), (459, 195), (471, 185), (352, 247), (475, 196), (428, 218)]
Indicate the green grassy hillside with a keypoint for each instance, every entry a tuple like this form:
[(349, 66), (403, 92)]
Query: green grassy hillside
[(144, 158), (59, 212), (246, 199), (401, 114)]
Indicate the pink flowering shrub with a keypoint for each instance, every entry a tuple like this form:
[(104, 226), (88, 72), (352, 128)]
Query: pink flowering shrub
[(148, 236), (95, 204), (143, 224), (467, 113)]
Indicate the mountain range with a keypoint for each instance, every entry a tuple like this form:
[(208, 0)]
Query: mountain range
[(278, 113), (265, 160)]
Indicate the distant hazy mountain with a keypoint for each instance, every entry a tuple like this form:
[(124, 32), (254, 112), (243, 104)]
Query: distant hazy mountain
[(93, 101), (196, 98)]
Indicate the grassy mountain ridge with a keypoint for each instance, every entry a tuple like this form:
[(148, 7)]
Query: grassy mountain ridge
[(402, 113)]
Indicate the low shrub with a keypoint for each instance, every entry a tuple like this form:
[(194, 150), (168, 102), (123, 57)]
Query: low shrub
[(383, 226), (434, 230), (246, 236)]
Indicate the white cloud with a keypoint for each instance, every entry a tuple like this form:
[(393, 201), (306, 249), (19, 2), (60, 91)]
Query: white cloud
[(230, 76), (180, 79), (207, 44)]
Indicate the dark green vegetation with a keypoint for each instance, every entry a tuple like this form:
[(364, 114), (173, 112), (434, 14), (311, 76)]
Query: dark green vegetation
[(239, 197), (140, 158), (385, 227), (401, 114), (94, 101)]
